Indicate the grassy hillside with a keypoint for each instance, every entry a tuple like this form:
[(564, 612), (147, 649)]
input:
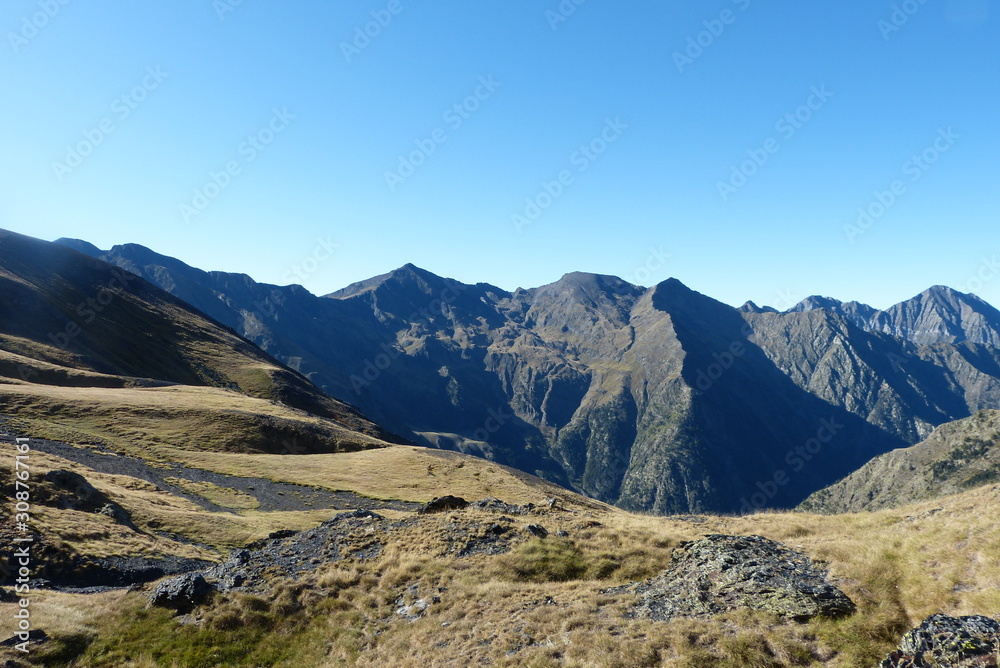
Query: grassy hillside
[(543, 603), (67, 319), (957, 456)]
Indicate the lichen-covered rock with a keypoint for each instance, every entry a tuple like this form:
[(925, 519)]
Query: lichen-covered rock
[(721, 573), (537, 530), (495, 505), (181, 593), (949, 642)]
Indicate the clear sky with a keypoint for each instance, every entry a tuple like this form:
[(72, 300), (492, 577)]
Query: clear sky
[(727, 143)]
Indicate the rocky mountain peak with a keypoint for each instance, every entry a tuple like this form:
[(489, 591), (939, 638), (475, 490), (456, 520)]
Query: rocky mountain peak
[(814, 302)]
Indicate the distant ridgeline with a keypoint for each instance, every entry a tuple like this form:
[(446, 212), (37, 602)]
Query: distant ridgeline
[(656, 399)]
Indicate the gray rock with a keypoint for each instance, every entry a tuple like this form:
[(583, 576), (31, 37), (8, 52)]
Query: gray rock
[(181, 593), (444, 503), (949, 642), (493, 504), (721, 573), (537, 530)]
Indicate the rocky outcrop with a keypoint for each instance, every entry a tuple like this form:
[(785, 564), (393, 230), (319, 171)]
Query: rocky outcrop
[(358, 534), (181, 593), (949, 642), (443, 503), (721, 573)]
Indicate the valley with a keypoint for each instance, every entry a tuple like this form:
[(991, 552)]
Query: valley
[(564, 464)]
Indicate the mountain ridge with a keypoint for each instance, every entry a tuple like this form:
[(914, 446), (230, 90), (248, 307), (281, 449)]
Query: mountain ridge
[(622, 392)]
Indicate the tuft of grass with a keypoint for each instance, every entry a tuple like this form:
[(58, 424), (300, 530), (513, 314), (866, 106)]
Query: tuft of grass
[(543, 560)]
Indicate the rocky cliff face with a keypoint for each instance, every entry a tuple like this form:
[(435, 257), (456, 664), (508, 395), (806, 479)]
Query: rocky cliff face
[(657, 399)]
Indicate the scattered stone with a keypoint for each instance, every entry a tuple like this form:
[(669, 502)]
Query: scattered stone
[(35, 636), (949, 642), (181, 593), (411, 606), (353, 515), (537, 530), (562, 534), (282, 533), (497, 529), (444, 503), (721, 573), (289, 554), (495, 505), (7, 595)]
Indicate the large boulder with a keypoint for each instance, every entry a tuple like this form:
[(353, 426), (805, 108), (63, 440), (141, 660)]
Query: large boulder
[(721, 573), (181, 593), (68, 490), (949, 642), (444, 503)]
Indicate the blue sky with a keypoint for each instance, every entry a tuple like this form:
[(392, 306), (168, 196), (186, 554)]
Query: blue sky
[(729, 143)]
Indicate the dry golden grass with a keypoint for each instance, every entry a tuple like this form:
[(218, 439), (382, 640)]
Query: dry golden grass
[(149, 422), (541, 604), (397, 472)]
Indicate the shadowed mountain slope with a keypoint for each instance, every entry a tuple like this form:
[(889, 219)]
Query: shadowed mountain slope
[(70, 321), (656, 399)]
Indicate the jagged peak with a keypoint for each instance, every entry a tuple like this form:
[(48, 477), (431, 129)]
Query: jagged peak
[(751, 307), (941, 296), (407, 274), (814, 302)]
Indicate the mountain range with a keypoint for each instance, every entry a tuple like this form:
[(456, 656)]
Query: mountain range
[(656, 399)]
